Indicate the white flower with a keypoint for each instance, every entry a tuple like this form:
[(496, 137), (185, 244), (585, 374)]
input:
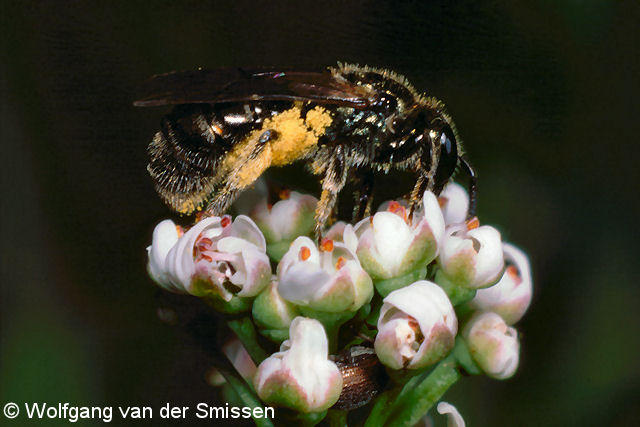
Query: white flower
[(390, 246), (330, 279), (493, 345), (300, 376), (454, 202), (511, 296), (165, 236), (454, 419), (417, 326), (472, 258), (344, 233), (216, 257), (239, 358), (284, 221)]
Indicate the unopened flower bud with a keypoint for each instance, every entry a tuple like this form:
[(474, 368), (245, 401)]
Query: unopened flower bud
[(287, 219), (300, 376), (416, 328), (272, 313), (472, 258), (511, 296), (493, 344)]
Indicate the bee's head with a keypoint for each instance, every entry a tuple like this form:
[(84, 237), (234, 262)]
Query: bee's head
[(435, 130), (444, 137)]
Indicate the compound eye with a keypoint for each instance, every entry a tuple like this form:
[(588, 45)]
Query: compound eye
[(448, 157)]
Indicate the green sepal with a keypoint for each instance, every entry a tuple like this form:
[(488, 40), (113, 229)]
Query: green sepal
[(275, 335), (235, 306), (464, 358), (457, 294), (276, 250), (386, 286)]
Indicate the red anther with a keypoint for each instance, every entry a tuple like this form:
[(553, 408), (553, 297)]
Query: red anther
[(513, 272), (205, 241), (398, 209), (340, 263), (371, 220), (393, 206), (284, 194), (305, 253), (225, 221), (326, 245), (413, 323), (442, 201), (207, 257), (180, 230), (269, 207), (200, 215), (472, 223)]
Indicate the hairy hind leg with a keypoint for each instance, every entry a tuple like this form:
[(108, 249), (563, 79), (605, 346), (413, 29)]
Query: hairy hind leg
[(416, 194), (333, 182), (363, 198)]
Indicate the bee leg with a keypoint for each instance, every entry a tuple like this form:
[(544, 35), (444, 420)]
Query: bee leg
[(473, 185), (334, 179), (222, 200), (364, 196), (416, 194), (245, 170)]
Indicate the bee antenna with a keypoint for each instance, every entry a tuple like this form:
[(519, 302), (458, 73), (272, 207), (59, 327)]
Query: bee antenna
[(473, 185)]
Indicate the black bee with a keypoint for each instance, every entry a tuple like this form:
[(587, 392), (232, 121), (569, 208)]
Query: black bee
[(347, 122)]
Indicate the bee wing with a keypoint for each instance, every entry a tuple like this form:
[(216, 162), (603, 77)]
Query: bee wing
[(242, 85)]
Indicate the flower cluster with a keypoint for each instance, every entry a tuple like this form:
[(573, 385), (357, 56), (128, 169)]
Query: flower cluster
[(424, 289)]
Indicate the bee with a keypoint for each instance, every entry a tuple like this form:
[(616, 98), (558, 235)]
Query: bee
[(348, 123)]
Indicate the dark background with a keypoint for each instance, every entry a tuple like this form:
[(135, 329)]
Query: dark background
[(545, 95)]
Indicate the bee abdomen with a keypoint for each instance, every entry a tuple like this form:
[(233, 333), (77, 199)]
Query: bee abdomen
[(183, 157)]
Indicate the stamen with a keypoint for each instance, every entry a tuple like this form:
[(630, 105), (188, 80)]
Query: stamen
[(206, 257), (305, 253), (340, 263), (472, 223), (284, 194), (398, 209), (443, 201), (326, 245), (225, 221), (205, 241), (514, 274), (180, 230)]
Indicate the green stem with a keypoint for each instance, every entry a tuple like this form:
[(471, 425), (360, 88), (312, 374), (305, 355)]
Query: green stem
[(386, 286), (337, 418), (246, 395), (414, 404), (246, 333), (379, 411), (387, 402)]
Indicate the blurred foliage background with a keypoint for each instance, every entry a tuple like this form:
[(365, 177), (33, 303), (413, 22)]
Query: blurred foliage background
[(545, 95)]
